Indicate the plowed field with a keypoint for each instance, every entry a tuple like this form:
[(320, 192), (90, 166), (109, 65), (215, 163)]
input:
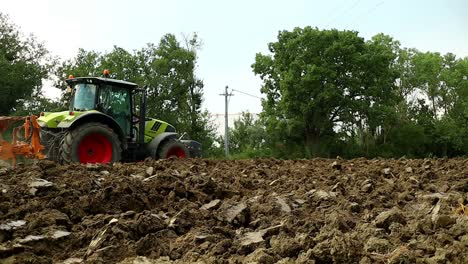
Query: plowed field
[(263, 211)]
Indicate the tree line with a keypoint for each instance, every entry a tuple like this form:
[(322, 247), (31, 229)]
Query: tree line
[(327, 93), (165, 69), (332, 93)]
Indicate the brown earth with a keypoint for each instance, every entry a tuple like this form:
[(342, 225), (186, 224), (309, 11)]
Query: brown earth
[(258, 211)]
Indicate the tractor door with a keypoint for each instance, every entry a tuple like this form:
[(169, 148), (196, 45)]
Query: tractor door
[(115, 101)]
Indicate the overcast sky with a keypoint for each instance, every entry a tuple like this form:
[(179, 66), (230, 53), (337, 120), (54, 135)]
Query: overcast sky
[(234, 31)]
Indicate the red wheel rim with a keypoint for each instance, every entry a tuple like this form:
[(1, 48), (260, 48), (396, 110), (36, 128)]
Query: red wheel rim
[(95, 148), (177, 152)]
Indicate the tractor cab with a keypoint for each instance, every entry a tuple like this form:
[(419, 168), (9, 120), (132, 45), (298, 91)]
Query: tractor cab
[(108, 96)]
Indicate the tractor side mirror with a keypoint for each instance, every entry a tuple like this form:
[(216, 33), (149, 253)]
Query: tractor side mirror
[(69, 90)]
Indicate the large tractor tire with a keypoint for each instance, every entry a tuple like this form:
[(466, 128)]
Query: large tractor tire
[(91, 143), (172, 148)]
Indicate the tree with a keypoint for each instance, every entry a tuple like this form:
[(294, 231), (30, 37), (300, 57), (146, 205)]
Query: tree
[(378, 96), (318, 81), (24, 63), (437, 82), (453, 127), (428, 67), (248, 137)]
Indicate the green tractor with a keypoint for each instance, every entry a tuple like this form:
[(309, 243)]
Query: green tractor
[(102, 126)]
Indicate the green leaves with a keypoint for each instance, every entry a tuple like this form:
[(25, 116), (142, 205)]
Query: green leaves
[(329, 88), (23, 64), (175, 93), (320, 80)]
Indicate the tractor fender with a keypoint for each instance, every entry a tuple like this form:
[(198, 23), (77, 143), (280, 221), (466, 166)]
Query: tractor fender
[(154, 144), (96, 117)]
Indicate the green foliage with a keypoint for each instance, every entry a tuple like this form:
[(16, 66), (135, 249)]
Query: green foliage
[(329, 93), (319, 81), (167, 70), (248, 137), (244, 134), (37, 105), (23, 64)]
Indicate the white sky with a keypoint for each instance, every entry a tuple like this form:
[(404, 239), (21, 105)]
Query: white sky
[(234, 31)]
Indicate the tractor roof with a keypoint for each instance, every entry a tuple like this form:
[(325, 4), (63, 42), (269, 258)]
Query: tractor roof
[(100, 80)]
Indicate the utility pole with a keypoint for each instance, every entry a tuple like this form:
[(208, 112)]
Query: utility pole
[(226, 127)]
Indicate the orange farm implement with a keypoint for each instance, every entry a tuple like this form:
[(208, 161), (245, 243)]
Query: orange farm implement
[(25, 139)]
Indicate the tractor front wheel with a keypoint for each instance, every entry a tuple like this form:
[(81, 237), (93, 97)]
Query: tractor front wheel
[(91, 143), (173, 149)]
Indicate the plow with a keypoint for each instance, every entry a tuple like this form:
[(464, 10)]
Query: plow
[(25, 139)]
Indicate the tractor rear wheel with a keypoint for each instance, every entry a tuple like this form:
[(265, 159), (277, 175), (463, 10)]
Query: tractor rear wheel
[(173, 149), (91, 143)]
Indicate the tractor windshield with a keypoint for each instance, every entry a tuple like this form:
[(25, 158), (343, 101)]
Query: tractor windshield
[(85, 97)]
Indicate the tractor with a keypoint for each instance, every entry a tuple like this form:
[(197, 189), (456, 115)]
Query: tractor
[(105, 124)]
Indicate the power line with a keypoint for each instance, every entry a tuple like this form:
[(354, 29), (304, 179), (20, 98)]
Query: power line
[(343, 13), (229, 97), (246, 93), (232, 114), (370, 10), (335, 8)]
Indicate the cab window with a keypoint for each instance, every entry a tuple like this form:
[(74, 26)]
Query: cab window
[(115, 101), (84, 97)]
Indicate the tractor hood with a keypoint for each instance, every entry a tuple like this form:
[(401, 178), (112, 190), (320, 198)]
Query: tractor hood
[(60, 119)]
